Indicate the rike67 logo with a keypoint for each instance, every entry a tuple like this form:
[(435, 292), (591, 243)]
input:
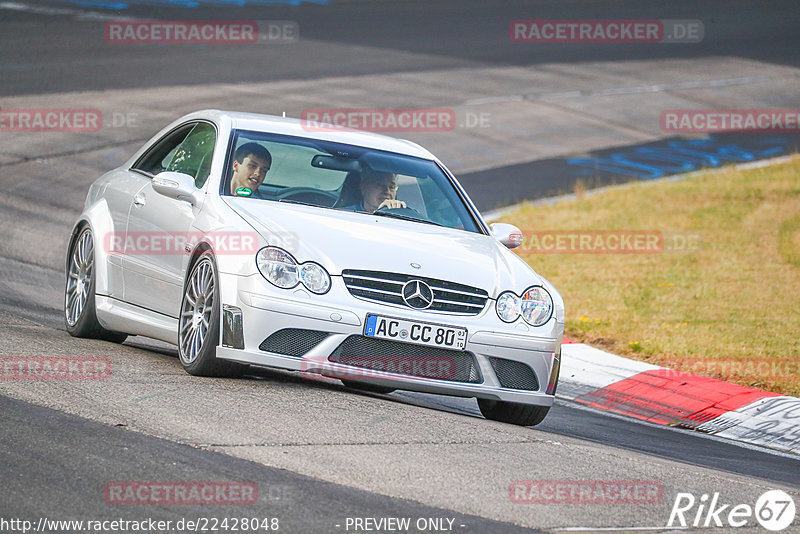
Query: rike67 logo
[(774, 510)]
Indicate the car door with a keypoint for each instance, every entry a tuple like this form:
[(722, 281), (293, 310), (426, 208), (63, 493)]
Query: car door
[(159, 227), (119, 188)]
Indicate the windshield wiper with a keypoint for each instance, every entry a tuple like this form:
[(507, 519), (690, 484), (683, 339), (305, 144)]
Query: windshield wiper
[(403, 217)]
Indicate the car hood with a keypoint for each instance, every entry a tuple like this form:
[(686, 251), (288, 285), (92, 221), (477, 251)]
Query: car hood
[(341, 240)]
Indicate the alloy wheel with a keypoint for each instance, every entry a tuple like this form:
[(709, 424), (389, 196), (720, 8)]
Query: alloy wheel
[(79, 278), (198, 302)]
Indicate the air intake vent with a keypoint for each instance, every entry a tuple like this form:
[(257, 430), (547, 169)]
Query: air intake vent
[(292, 341), (514, 375)]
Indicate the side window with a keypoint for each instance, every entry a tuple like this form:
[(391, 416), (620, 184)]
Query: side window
[(162, 153), (193, 156)]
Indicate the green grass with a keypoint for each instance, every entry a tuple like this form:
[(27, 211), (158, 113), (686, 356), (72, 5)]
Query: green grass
[(728, 307)]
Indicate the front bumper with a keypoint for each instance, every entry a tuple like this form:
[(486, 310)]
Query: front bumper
[(266, 310)]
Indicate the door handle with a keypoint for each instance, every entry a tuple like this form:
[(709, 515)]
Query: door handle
[(139, 200)]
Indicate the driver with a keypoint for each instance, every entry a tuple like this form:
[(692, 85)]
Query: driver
[(251, 162), (378, 190)]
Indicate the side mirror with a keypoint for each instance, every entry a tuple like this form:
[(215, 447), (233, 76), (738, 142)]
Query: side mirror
[(507, 234), (177, 185)]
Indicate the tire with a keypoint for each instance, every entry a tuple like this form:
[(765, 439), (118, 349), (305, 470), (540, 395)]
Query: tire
[(198, 324), (513, 413), (365, 386), (80, 315)]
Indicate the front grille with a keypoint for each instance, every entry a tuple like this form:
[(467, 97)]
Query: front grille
[(292, 341), (407, 359), (448, 297), (514, 375)]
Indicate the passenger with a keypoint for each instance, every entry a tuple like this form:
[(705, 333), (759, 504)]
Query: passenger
[(251, 162)]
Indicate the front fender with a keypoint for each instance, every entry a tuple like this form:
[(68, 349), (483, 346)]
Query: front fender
[(98, 218)]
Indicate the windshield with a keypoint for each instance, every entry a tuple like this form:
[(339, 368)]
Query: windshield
[(270, 167)]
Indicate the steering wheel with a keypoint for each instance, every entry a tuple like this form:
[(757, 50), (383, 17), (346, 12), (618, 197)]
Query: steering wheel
[(408, 212)]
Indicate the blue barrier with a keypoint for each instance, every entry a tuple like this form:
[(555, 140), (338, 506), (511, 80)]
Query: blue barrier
[(677, 156), (100, 4)]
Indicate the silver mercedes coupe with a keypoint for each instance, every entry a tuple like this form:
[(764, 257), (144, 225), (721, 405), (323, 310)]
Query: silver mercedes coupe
[(252, 240)]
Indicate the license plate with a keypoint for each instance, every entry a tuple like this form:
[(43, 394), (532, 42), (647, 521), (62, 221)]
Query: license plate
[(428, 334)]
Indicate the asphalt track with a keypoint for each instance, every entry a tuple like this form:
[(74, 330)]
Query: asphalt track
[(367, 37), (318, 452), (85, 452)]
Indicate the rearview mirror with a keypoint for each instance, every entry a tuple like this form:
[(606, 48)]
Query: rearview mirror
[(507, 234), (322, 161), (177, 185)]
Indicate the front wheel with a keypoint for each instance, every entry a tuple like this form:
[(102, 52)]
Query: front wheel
[(512, 412), (198, 327), (80, 317)]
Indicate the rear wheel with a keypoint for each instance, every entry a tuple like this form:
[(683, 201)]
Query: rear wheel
[(513, 413), (80, 315), (198, 327)]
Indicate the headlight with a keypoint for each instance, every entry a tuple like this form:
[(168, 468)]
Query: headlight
[(507, 307), (278, 267), (315, 277), (535, 306), (282, 270)]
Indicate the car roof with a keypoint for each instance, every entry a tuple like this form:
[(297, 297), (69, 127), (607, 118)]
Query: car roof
[(302, 128)]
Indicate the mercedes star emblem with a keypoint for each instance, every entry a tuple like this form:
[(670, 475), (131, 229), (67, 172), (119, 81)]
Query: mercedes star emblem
[(417, 294)]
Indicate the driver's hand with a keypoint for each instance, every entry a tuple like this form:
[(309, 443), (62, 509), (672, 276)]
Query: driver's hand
[(392, 203)]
